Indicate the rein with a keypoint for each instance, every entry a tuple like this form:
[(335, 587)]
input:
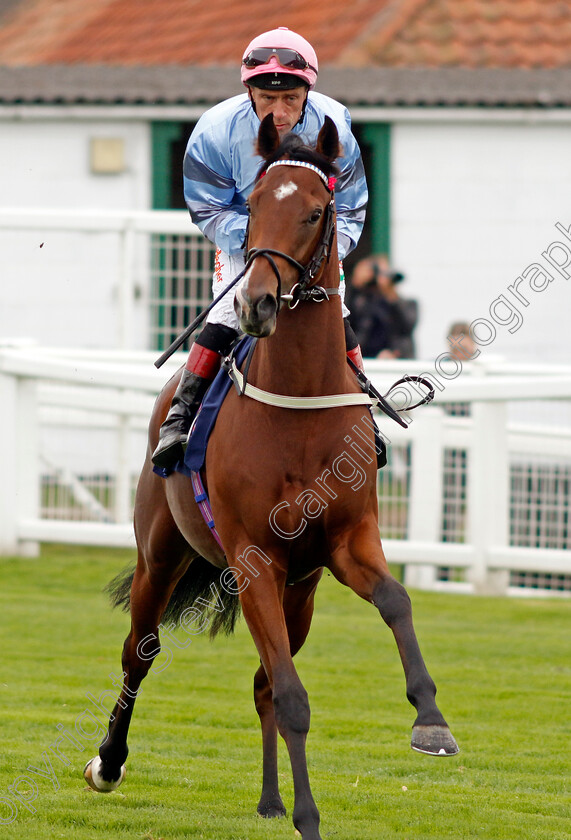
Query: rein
[(302, 290)]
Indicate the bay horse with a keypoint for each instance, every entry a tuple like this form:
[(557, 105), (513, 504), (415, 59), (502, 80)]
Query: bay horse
[(289, 499)]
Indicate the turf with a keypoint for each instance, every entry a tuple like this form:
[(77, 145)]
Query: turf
[(503, 668)]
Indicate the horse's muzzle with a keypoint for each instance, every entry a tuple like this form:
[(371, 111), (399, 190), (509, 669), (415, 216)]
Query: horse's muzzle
[(257, 317)]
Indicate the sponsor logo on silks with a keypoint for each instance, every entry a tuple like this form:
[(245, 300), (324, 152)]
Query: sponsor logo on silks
[(218, 266)]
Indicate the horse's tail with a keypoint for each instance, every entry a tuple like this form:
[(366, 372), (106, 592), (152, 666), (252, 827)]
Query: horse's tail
[(198, 587)]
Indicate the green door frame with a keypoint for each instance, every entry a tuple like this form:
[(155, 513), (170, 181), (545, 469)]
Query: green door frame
[(162, 135), (378, 137)]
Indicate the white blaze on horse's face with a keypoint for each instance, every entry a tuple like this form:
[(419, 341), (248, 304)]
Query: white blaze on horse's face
[(285, 190)]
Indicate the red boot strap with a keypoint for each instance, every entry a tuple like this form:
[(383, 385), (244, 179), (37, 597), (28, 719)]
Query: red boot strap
[(203, 362)]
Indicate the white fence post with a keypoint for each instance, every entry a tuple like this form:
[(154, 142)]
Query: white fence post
[(488, 493), (28, 459), (126, 285), (19, 488), (123, 506), (10, 469), (425, 501)]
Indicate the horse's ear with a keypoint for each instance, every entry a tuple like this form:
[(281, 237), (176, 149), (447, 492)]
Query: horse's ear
[(268, 137), (328, 140)]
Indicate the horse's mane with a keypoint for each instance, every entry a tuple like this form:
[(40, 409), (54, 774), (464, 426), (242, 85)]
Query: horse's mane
[(292, 147)]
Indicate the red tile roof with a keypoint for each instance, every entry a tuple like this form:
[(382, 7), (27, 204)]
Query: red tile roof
[(359, 33), (168, 31), (470, 33)]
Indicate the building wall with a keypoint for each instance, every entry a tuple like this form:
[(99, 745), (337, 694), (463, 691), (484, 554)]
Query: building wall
[(58, 288), (473, 207)]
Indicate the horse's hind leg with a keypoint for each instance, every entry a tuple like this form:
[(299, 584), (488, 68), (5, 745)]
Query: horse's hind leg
[(298, 611), (150, 593), (361, 564)]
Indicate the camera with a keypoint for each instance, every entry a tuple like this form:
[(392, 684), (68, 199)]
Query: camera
[(394, 276)]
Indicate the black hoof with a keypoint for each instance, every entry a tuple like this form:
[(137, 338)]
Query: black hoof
[(433, 740), (272, 808)]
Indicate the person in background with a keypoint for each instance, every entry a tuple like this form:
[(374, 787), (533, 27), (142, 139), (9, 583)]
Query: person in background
[(383, 321), (462, 348), (462, 345)]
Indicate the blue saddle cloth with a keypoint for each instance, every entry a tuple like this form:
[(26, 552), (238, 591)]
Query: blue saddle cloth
[(206, 418)]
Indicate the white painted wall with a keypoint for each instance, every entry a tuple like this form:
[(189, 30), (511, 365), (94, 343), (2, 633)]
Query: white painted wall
[(55, 288), (473, 206)]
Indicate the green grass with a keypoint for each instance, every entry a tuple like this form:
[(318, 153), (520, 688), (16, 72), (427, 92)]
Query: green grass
[(503, 668)]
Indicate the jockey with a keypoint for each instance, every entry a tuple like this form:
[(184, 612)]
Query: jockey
[(279, 70)]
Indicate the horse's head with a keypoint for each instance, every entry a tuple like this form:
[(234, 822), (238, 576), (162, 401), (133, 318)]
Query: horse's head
[(292, 223)]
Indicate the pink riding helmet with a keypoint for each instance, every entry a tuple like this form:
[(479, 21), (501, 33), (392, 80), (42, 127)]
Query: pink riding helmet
[(281, 38)]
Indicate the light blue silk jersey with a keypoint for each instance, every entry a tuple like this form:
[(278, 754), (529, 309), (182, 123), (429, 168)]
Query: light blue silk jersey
[(220, 167)]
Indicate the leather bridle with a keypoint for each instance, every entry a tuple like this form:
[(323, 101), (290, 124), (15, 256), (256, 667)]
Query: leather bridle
[(303, 289)]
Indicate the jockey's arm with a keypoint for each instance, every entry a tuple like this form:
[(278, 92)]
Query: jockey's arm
[(218, 206), (350, 197), (212, 201), (351, 193), (211, 195)]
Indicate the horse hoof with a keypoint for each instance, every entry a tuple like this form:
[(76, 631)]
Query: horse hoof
[(433, 740), (271, 809), (93, 777)]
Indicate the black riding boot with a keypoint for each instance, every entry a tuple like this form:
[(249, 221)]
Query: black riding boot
[(174, 431)]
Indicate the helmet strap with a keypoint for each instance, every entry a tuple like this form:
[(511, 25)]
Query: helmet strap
[(302, 115), (252, 100)]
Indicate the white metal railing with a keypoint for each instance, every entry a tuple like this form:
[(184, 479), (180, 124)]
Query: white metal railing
[(156, 261), (452, 500)]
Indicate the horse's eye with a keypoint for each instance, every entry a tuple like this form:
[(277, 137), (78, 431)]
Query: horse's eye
[(315, 216)]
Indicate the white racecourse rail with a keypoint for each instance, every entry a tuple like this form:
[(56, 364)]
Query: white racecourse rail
[(102, 278), (476, 503)]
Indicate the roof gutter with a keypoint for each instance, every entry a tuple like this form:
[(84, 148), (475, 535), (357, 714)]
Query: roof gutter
[(505, 114), (106, 112), (359, 114)]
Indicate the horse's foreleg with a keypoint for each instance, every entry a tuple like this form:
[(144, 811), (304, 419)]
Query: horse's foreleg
[(430, 732), (270, 804), (263, 610), (361, 565), (298, 611), (149, 597)]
